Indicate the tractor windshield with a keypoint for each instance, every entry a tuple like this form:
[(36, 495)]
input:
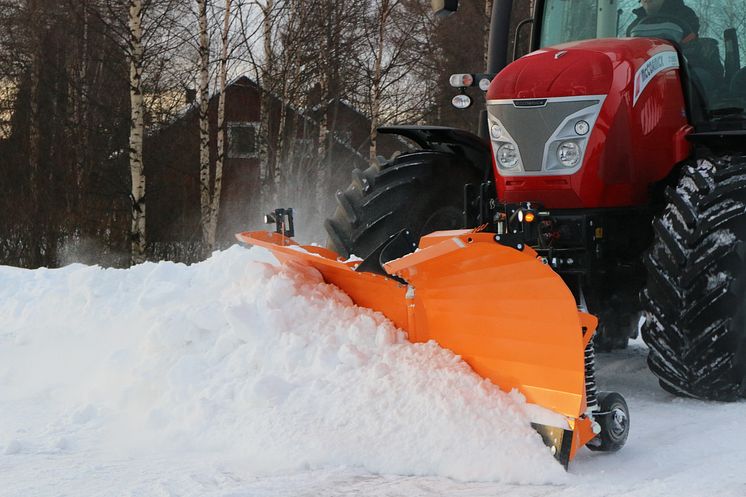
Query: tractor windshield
[(711, 33)]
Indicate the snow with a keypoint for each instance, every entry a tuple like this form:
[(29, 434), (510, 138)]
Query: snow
[(235, 377), (715, 280)]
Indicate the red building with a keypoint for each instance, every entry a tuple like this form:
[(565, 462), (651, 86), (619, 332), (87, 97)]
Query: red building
[(172, 166)]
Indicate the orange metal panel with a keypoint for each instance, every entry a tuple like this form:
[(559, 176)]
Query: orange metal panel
[(509, 315), (373, 291), (504, 311)]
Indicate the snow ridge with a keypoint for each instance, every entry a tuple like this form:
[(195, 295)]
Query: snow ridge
[(238, 357)]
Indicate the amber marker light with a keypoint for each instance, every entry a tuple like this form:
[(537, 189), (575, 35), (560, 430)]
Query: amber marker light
[(529, 217)]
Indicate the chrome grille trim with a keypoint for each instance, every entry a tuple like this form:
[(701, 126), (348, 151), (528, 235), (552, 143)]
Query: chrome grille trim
[(537, 130)]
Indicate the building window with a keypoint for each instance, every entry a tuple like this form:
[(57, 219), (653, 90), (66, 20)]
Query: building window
[(242, 140), (345, 137)]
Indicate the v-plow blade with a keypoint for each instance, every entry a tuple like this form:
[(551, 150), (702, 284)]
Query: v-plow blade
[(502, 309)]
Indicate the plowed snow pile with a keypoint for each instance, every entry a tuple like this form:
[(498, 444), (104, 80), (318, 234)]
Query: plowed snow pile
[(238, 359)]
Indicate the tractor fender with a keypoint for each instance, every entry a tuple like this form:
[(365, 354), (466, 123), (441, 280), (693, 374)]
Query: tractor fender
[(474, 150)]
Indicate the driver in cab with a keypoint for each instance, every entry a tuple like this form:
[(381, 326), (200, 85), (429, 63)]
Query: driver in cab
[(702, 53), (674, 9)]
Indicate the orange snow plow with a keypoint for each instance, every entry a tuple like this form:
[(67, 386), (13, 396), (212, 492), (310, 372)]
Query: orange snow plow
[(501, 308)]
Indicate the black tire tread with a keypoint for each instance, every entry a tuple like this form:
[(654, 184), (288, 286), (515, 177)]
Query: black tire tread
[(393, 195), (696, 286)]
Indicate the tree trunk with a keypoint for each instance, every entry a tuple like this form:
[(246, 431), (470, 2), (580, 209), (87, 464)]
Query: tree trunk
[(137, 231), (204, 125), (34, 229), (215, 208), (81, 112), (34, 162), (265, 131), (325, 83), (375, 100), (282, 132), (292, 170), (322, 178), (486, 28)]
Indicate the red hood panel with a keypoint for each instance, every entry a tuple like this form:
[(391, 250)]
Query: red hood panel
[(639, 134), (548, 74), (571, 69)]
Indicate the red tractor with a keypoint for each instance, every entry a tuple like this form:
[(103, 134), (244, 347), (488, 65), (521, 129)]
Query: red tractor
[(616, 149)]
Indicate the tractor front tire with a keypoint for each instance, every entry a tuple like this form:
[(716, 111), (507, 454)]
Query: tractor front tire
[(421, 191), (695, 300), (615, 329)]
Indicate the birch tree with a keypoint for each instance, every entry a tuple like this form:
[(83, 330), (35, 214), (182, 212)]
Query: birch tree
[(69, 93), (290, 77), (230, 52), (204, 119), (222, 75), (383, 13), (339, 39), (379, 42), (286, 38), (137, 131), (326, 82), (151, 36), (266, 80), (392, 67), (294, 62)]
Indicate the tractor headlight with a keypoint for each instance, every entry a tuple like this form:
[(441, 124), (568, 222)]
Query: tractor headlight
[(582, 127), (461, 101), (568, 154), (496, 131), (507, 156)]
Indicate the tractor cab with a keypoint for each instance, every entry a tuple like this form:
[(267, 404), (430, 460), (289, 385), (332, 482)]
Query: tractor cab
[(708, 36)]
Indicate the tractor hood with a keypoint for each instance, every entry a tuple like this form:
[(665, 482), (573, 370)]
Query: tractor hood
[(574, 69), (569, 123), (554, 72)]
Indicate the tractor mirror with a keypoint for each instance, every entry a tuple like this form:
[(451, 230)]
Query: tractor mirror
[(443, 8)]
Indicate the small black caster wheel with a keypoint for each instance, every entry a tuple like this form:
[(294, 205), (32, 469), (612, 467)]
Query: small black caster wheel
[(613, 418)]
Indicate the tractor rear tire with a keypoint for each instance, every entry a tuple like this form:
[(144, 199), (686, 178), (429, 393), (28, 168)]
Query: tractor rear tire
[(421, 191), (695, 300)]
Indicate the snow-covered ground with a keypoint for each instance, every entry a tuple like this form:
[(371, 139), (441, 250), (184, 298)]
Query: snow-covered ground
[(236, 378)]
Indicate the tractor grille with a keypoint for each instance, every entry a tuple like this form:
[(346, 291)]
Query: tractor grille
[(538, 126)]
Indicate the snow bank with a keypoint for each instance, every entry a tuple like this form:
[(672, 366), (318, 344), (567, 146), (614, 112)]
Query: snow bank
[(238, 357)]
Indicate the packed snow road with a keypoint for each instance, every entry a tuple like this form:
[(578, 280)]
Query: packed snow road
[(235, 378)]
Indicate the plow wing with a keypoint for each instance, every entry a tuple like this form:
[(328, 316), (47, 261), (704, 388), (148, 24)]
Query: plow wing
[(504, 311)]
